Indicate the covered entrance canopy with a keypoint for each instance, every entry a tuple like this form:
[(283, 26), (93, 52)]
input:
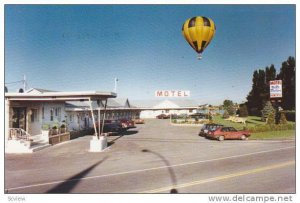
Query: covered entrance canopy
[(10, 98)]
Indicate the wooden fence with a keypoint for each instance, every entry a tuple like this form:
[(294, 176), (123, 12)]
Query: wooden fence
[(55, 139)]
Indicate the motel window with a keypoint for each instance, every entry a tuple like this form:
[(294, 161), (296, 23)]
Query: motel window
[(71, 118), (43, 113), (167, 111), (58, 113), (191, 110), (34, 115), (51, 114)]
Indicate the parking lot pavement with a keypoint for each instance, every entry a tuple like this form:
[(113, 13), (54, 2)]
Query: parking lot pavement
[(152, 156)]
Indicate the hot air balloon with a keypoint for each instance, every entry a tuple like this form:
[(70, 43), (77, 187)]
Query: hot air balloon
[(198, 32)]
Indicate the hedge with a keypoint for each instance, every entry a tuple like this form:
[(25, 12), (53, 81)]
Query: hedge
[(264, 128), (290, 115)]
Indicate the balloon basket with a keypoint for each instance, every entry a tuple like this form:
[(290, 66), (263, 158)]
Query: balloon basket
[(199, 57)]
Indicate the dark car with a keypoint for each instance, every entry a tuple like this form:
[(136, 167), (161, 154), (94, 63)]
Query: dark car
[(127, 123), (208, 127), (163, 116), (111, 126), (223, 133), (199, 116)]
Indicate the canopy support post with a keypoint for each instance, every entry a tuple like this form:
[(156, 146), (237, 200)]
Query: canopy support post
[(104, 115), (93, 118)]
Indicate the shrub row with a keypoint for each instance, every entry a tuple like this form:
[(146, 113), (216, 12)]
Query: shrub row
[(190, 122), (264, 128), (290, 115)]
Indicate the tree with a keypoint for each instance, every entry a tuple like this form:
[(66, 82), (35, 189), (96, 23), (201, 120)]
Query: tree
[(288, 77), (225, 114), (252, 102), (243, 112), (259, 93), (229, 107), (267, 110), (227, 103), (271, 119)]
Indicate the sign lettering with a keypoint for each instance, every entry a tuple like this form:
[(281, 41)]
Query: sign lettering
[(172, 93)]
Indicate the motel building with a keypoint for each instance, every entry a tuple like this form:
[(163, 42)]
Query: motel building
[(168, 102), (179, 106), (79, 116), (38, 118)]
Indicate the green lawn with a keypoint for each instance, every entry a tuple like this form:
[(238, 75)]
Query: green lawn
[(284, 134), (253, 121)]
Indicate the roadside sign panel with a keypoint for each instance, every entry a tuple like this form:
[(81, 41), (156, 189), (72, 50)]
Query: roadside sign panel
[(172, 93), (275, 88)]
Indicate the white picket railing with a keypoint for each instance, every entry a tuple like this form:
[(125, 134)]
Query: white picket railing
[(19, 134)]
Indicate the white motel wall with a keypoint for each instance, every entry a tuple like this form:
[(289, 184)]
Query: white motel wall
[(174, 106), (35, 116)]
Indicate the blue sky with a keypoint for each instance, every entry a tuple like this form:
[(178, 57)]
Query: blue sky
[(80, 47)]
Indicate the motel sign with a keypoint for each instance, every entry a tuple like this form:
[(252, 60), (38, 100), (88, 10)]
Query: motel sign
[(275, 88), (172, 93)]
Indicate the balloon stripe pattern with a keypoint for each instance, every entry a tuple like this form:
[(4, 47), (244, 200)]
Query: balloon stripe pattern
[(198, 32)]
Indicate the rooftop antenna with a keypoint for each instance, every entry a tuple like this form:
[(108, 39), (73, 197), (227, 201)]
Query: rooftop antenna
[(116, 83)]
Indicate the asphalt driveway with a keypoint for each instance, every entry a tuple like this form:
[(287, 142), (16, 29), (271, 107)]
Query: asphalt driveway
[(156, 157)]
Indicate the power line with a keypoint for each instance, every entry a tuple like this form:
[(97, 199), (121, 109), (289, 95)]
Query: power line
[(7, 83)]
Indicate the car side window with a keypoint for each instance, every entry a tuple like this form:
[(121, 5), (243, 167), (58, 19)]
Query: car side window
[(224, 129), (232, 129)]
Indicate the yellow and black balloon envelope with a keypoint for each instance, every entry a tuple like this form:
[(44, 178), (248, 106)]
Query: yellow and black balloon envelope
[(198, 32)]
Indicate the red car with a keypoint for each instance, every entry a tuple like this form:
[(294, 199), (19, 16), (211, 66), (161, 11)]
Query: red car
[(162, 116), (222, 133), (139, 121), (127, 123)]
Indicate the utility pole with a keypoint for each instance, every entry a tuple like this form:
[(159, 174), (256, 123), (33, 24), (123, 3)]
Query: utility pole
[(24, 82), (116, 83)]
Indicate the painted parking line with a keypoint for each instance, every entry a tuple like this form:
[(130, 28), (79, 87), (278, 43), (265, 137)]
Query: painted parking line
[(147, 169), (219, 178)]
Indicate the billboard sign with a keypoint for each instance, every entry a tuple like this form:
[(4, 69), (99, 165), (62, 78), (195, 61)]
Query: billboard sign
[(172, 93), (275, 88)]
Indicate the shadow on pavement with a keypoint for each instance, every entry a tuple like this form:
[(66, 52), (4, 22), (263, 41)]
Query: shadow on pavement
[(125, 133), (70, 183), (170, 170)]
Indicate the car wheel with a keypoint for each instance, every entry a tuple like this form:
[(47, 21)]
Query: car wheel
[(243, 137), (221, 138)]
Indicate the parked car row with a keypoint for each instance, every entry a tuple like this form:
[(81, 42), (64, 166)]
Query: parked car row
[(139, 121), (116, 126), (163, 116), (220, 132)]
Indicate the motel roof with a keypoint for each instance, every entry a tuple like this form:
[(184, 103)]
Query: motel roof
[(60, 96)]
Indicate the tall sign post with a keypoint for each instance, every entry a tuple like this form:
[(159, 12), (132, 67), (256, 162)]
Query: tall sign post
[(276, 95)]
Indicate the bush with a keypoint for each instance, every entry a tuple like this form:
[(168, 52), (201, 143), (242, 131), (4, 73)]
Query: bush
[(268, 109), (290, 115), (271, 119), (265, 128), (45, 127), (225, 114), (282, 120)]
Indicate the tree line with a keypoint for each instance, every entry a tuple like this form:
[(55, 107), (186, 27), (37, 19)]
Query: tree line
[(260, 92)]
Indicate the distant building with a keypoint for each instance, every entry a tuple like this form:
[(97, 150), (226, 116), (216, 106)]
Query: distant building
[(151, 109)]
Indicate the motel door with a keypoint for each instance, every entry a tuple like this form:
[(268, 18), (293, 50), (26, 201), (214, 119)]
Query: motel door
[(19, 117)]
